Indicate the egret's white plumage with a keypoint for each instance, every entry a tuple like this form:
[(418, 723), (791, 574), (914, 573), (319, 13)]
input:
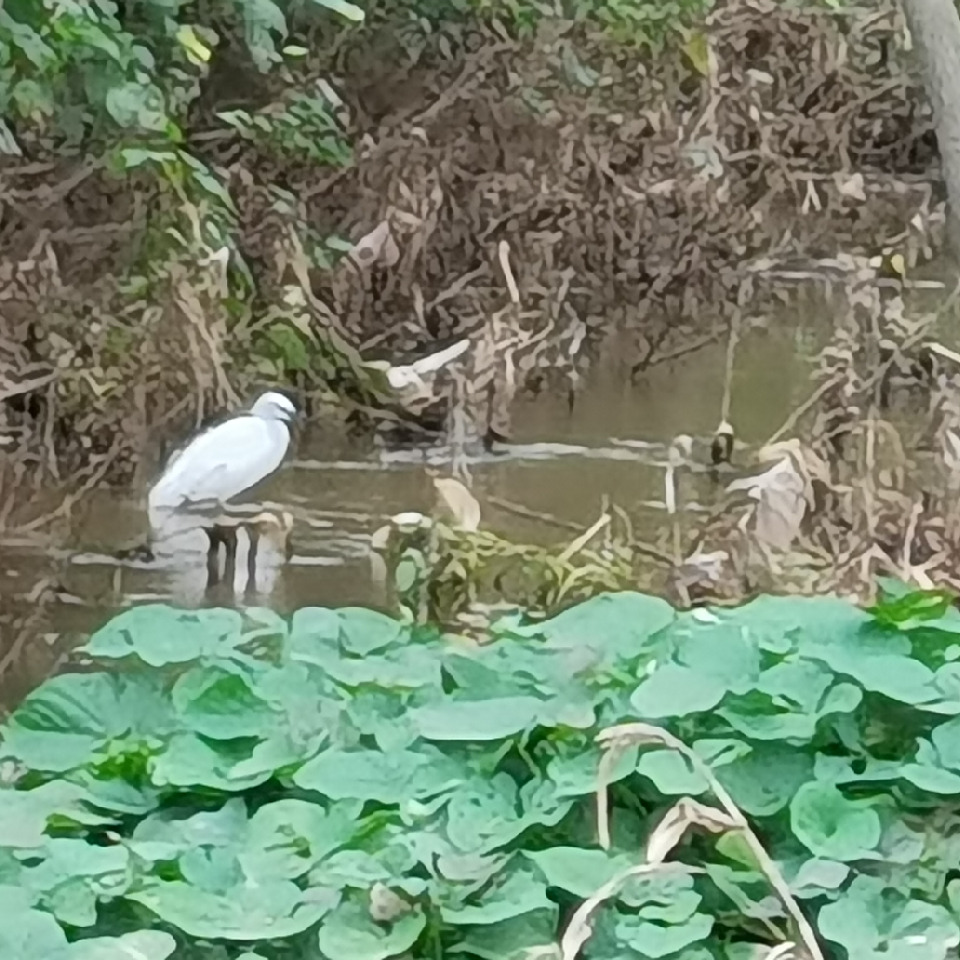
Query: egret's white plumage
[(224, 461)]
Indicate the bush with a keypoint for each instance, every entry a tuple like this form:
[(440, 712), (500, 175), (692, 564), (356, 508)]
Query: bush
[(348, 783)]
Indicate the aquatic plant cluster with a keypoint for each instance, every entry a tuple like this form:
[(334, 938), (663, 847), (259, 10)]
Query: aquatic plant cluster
[(622, 780)]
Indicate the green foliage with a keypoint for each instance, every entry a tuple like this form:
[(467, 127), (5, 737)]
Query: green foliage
[(345, 785)]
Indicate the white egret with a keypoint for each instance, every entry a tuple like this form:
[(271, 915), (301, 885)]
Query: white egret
[(217, 465)]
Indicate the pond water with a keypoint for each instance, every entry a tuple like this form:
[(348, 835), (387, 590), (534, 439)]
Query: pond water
[(560, 462)]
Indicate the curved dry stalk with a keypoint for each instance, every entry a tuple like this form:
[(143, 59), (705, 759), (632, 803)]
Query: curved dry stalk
[(580, 927), (613, 740)]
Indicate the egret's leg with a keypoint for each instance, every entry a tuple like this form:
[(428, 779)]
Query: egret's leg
[(254, 536), (215, 537), (229, 535)]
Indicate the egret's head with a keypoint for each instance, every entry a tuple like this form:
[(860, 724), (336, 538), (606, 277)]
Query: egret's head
[(273, 405)]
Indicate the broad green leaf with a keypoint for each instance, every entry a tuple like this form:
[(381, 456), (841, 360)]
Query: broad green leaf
[(262, 21), (666, 896), (363, 632), (518, 893), (726, 652), (221, 704), (192, 761), (789, 700), (336, 641), (196, 50), (371, 775), (270, 910), (74, 719), (673, 690), (932, 779), (25, 814), (781, 624), (578, 870), (160, 635), (219, 849), (483, 814), (763, 782), (673, 774), (575, 770), (477, 719), (656, 940), (898, 677), (139, 945), (137, 105), (28, 934), (831, 826), (513, 939), (74, 875), (349, 933), (623, 623), (945, 739), (288, 837), (815, 877)]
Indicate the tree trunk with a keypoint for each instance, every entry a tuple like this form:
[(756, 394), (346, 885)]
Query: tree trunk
[(935, 26)]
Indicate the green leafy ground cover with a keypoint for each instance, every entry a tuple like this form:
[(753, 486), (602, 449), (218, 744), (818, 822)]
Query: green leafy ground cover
[(342, 785)]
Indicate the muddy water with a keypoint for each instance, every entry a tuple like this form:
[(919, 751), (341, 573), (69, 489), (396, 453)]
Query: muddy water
[(560, 462)]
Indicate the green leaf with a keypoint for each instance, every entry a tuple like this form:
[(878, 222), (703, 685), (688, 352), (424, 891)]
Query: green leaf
[(873, 921), (27, 934), (815, 877), (74, 875), (577, 870), (288, 837), (363, 632), (221, 704), (659, 940), (519, 892), (73, 718), (725, 652), (159, 635), (139, 945), (574, 771), (673, 774), (371, 775), (270, 910), (676, 691), (908, 609), (349, 933), (137, 105), (763, 782), (623, 624), (513, 939), (789, 700), (24, 814), (831, 826), (782, 624), (477, 719), (229, 765)]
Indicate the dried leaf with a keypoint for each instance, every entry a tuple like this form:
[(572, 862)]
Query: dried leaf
[(781, 495), (385, 905), (459, 503), (378, 246)]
